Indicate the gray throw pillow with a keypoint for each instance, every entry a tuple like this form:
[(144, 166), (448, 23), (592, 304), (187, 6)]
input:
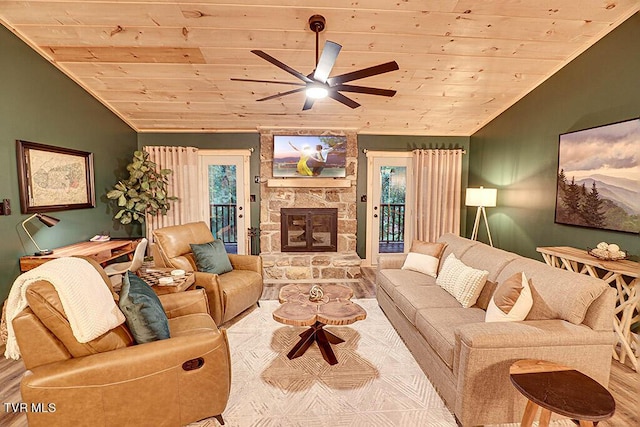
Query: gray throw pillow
[(145, 316), (211, 257)]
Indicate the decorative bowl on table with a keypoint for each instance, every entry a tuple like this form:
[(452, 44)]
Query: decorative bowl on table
[(606, 254)]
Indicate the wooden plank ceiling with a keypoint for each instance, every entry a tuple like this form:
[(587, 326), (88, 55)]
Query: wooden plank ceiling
[(166, 65)]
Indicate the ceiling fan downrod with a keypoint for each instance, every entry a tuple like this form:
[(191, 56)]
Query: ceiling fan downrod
[(317, 23)]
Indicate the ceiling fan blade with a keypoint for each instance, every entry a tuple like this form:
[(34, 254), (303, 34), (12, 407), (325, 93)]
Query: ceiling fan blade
[(365, 72), (327, 60), (308, 103), (341, 98), (279, 94), (364, 89), (281, 65), (267, 81)]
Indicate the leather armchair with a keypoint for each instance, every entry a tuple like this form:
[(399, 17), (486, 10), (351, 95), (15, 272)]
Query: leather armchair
[(111, 381), (230, 293)]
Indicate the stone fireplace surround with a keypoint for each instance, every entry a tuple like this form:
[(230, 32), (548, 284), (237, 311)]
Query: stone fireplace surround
[(309, 267)]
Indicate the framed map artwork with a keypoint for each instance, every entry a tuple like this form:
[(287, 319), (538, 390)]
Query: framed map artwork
[(54, 178)]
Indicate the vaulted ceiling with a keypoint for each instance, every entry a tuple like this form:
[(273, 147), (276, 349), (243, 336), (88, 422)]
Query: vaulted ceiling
[(167, 65)]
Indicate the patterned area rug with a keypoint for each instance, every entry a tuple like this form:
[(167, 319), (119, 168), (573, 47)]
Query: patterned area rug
[(376, 382)]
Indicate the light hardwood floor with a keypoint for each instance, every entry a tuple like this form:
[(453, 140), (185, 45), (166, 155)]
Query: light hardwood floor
[(624, 383)]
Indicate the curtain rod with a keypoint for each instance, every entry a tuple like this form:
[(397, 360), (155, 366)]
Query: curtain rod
[(365, 151)]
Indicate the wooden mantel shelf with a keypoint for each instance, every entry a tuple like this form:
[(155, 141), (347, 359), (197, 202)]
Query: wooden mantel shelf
[(310, 182)]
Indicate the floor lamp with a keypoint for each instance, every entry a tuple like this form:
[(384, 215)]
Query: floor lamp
[(481, 197)]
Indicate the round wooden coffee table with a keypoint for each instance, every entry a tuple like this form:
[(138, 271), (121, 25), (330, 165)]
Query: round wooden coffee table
[(560, 389), (335, 308)]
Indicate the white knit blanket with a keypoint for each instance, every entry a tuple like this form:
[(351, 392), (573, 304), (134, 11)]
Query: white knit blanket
[(86, 299)]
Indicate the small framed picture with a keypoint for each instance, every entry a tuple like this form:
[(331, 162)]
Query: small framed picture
[(54, 178)]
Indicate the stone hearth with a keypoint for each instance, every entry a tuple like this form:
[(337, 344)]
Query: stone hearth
[(318, 267)]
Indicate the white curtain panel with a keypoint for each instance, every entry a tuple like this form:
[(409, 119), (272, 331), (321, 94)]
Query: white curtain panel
[(437, 184), (183, 183)]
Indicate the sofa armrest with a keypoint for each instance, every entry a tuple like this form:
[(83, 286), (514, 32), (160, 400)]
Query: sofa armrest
[(246, 262), (183, 303), (389, 261), (485, 351), (211, 284), (531, 333)]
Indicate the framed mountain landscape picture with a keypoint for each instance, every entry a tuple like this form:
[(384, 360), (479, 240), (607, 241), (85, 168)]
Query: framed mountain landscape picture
[(599, 177)]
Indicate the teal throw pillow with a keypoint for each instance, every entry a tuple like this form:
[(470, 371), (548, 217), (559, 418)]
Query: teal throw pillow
[(145, 316), (211, 257)]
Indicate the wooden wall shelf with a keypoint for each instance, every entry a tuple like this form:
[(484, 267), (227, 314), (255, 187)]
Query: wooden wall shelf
[(309, 182)]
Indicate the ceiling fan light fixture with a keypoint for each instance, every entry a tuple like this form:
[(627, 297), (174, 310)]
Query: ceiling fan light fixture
[(316, 92)]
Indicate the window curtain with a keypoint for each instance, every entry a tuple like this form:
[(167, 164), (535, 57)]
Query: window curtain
[(437, 184), (183, 183)]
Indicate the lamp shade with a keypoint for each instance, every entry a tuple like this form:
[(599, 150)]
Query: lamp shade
[(485, 197), (47, 220)]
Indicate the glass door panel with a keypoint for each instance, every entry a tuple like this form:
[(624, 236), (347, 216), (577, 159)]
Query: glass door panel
[(223, 199), (223, 184)]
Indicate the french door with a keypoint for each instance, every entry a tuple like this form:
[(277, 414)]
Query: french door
[(224, 186), (389, 185)]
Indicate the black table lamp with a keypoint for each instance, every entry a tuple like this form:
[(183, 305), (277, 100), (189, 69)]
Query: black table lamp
[(47, 220)]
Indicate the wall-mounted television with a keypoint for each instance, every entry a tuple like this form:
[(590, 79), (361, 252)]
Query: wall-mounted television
[(309, 156), (599, 177)]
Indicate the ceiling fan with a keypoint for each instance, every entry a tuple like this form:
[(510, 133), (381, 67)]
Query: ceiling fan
[(318, 84)]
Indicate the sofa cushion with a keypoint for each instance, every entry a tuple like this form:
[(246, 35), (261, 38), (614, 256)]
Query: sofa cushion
[(391, 278), (455, 245), (409, 299), (461, 281), (438, 326), (511, 301), (485, 257), (557, 294)]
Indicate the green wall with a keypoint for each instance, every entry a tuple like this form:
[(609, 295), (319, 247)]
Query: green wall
[(518, 151), (40, 104), (400, 143), (216, 141)]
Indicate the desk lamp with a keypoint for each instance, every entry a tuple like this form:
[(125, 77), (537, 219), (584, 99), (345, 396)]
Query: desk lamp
[(47, 220), (481, 197)]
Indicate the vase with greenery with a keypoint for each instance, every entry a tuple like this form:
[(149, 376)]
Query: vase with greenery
[(144, 192)]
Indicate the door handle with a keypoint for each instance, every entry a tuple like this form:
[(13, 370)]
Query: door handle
[(375, 215), (240, 216)]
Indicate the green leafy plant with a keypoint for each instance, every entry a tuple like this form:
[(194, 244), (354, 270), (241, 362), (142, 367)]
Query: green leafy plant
[(145, 192)]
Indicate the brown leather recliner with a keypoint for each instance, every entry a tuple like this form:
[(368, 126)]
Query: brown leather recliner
[(230, 293), (111, 381)]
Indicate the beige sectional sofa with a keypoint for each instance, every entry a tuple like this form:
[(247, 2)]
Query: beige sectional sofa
[(468, 359)]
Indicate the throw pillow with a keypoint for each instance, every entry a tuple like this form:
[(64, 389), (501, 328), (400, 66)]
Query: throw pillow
[(485, 295), (428, 248), (511, 301), (425, 264), (211, 257), (145, 316), (461, 281)]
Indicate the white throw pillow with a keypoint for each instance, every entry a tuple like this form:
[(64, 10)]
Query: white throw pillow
[(463, 282), (511, 300), (425, 264)]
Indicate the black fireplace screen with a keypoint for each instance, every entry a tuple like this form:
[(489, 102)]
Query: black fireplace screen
[(309, 229)]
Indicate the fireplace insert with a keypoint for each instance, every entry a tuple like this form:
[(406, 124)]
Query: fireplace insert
[(309, 229)]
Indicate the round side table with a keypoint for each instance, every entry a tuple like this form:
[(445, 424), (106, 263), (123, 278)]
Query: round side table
[(560, 389)]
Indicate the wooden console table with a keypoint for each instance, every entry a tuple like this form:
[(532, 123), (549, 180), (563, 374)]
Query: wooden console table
[(624, 274), (102, 252)]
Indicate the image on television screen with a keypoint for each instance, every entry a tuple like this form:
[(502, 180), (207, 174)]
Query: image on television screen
[(309, 156)]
